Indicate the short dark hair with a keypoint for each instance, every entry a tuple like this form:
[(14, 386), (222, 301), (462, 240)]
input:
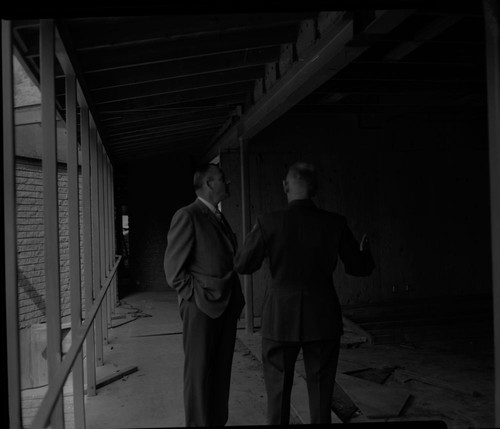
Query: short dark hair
[(305, 172), (201, 173)]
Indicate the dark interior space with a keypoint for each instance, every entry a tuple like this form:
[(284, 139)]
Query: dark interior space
[(390, 100)]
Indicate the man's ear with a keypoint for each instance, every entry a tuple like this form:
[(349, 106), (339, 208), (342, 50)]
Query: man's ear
[(285, 186), (209, 183)]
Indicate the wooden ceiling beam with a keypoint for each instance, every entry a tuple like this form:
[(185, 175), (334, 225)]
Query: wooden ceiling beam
[(118, 147), (178, 97), (318, 63), (176, 69), (427, 33), (129, 122), (193, 124), (225, 102), (166, 86), (132, 140), (413, 71), (159, 51), (383, 109), (369, 84), (90, 34)]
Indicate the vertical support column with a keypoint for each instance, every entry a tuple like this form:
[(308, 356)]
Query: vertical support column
[(50, 210), (10, 235), (102, 239), (87, 247), (113, 235), (492, 27), (111, 302), (245, 224), (74, 246), (96, 265), (107, 231)]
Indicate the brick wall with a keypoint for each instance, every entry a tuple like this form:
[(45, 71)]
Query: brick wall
[(30, 242)]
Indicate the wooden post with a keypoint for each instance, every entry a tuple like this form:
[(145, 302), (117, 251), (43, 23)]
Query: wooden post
[(113, 236), (50, 210), (109, 262), (245, 223), (10, 235), (107, 321), (74, 245), (96, 267), (87, 248), (492, 17), (102, 238)]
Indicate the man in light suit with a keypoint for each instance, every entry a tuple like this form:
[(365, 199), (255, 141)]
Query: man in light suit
[(199, 266), (301, 308)]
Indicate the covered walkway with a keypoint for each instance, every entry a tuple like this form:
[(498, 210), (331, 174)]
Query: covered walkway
[(380, 97)]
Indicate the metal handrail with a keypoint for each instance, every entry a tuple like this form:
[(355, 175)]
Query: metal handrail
[(42, 418)]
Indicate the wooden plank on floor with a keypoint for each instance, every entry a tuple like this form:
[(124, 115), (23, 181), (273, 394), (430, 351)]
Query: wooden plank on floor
[(117, 375), (350, 325), (377, 375), (342, 404), (406, 375), (374, 400), (345, 366)]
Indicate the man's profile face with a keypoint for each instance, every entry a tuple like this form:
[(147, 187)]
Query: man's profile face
[(219, 184)]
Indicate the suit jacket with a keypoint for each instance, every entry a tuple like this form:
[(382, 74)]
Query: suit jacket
[(199, 260), (303, 244)]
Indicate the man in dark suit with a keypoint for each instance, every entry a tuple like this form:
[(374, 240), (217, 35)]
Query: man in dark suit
[(301, 308), (199, 266)]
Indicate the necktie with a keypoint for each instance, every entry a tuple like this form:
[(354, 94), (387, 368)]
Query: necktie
[(218, 215), (224, 225)]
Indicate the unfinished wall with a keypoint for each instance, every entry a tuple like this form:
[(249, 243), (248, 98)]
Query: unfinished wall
[(29, 218), (30, 242), (418, 185), (156, 189)]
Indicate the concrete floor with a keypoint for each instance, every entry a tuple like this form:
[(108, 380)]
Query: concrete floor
[(152, 396), (456, 384)]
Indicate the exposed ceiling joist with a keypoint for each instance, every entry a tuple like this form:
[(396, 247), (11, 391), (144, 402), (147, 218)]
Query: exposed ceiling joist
[(323, 60)]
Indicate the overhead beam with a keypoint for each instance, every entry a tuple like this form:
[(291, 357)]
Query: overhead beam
[(112, 57), (175, 26), (213, 101), (163, 99), (164, 86), (416, 71), (181, 68), (320, 62), (159, 142), (132, 124), (163, 128), (371, 84), (121, 118), (132, 141), (429, 32)]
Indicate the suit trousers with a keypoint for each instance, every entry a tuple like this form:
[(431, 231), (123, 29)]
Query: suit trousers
[(208, 354), (320, 361)]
